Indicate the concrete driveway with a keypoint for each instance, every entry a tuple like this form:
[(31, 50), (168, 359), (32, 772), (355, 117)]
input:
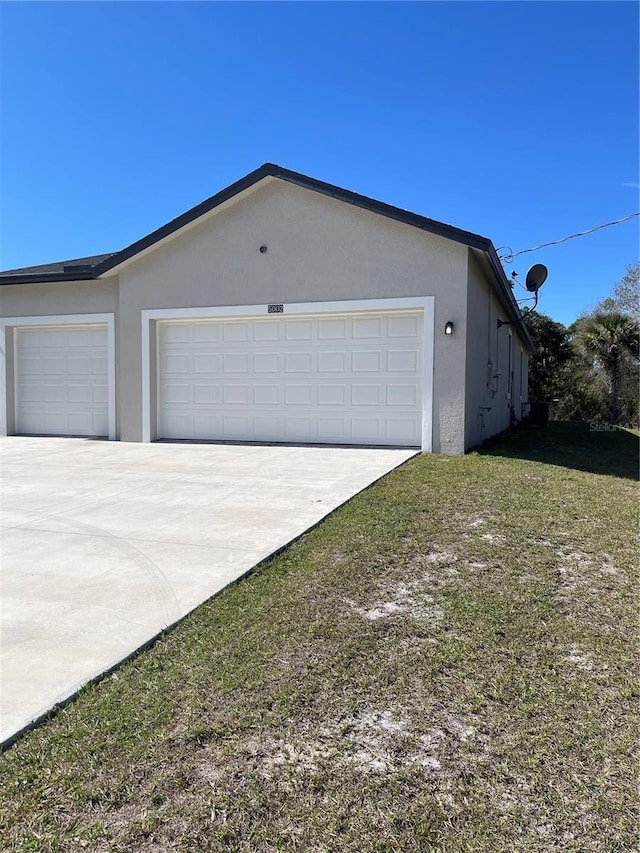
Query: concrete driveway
[(104, 544)]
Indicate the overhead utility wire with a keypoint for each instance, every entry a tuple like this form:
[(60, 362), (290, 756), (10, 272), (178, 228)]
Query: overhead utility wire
[(512, 255)]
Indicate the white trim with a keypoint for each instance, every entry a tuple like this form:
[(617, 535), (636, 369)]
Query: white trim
[(424, 303), (428, 345), (62, 320), (342, 307), (146, 377)]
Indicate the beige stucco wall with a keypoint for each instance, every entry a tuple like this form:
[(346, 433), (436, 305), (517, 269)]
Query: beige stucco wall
[(488, 408), (319, 249), (64, 297)]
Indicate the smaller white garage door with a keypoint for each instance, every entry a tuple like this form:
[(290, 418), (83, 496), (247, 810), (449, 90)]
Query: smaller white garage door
[(62, 380), (342, 379)]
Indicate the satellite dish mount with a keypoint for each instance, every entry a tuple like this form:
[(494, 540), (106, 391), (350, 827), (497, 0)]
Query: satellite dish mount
[(536, 277)]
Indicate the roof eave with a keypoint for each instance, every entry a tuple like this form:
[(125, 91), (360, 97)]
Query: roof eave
[(510, 302), (44, 278)]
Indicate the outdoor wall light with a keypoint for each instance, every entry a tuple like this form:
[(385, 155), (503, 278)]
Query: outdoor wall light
[(448, 328)]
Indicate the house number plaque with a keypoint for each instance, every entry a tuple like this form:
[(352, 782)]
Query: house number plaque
[(275, 309)]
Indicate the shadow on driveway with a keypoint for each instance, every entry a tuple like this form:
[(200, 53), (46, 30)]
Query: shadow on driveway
[(582, 446)]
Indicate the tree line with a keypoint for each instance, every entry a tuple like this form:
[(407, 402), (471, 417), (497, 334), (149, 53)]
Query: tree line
[(590, 370)]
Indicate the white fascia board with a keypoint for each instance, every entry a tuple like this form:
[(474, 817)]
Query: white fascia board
[(62, 320), (292, 309)]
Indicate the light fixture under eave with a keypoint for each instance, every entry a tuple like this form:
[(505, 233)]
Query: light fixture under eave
[(448, 328)]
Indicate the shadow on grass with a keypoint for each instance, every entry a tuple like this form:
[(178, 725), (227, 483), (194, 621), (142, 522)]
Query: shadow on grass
[(571, 445)]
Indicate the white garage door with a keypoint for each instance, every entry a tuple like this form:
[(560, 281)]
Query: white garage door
[(61, 386), (344, 379)]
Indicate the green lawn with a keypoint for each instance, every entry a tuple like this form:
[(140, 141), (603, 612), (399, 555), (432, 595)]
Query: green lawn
[(447, 663)]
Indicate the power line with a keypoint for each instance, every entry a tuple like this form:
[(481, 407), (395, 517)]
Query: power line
[(509, 257)]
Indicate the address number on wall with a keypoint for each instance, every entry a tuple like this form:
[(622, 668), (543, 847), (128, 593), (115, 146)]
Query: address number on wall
[(275, 309)]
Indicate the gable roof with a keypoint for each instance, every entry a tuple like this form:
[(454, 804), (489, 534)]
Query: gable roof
[(84, 269)]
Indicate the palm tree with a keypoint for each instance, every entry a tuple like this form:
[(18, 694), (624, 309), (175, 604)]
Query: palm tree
[(609, 338)]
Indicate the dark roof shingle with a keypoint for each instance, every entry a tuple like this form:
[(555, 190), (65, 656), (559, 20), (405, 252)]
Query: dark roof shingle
[(58, 266)]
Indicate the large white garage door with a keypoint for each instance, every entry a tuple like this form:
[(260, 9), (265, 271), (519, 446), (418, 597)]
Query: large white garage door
[(61, 386), (344, 379)]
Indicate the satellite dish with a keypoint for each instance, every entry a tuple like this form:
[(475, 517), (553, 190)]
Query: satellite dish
[(536, 277)]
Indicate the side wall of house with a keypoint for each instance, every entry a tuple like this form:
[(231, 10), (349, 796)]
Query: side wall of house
[(318, 249), (496, 362)]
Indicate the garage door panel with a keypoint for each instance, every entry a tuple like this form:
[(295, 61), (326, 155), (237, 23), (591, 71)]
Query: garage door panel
[(30, 366), (366, 395), (402, 395), (206, 394), (332, 329), (206, 363), (298, 395), (236, 426), (332, 395), (368, 428), (401, 429), (204, 427), (332, 362), (299, 429), (30, 339), (77, 365), (268, 427), (55, 422), (267, 331), (53, 365), (405, 326), (260, 360), (29, 393), (266, 362), (298, 362), (66, 387), (78, 394), (334, 429), (403, 361), (178, 334), (80, 339), (205, 333), (366, 361), (235, 363), (234, 332), (99, 365), (298, 330), (55, 394), (236, 395), (367, 327), (178, 393), (267, 395), (177, 363), (100, 396), (80, 424)]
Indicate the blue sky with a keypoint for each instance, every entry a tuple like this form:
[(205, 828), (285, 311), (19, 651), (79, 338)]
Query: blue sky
[(515, 120)]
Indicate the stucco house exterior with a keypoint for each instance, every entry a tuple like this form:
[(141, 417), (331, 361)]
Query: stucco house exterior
[(281, 309)]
